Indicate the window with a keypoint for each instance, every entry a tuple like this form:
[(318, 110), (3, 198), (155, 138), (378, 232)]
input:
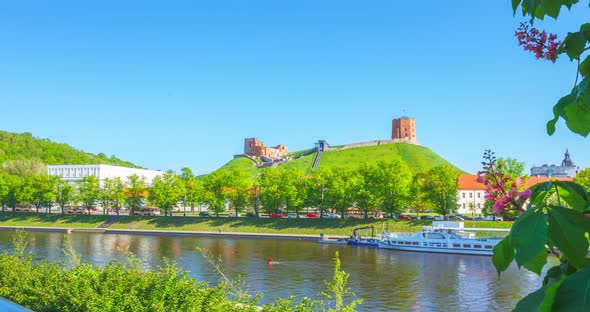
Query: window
[(478, 205), (478, 195), (463, 194), (470, 195)]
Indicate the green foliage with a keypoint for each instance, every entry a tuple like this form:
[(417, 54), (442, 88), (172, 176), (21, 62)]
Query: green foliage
[(88, 191), (24, 147), (125, 286), (215, 187), (166, 191), (562, 228), (440, 188), (574, 108)]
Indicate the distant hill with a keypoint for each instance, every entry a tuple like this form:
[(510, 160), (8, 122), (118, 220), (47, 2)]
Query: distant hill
[(417, 158), (24, 146)]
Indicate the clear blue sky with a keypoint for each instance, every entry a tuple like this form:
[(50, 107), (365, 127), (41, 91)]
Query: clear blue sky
[(171, 84)]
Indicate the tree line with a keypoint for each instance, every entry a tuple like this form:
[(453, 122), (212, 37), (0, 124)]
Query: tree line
[(388, 187)]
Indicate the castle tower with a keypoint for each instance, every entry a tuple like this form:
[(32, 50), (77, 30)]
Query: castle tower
[(403, 128)]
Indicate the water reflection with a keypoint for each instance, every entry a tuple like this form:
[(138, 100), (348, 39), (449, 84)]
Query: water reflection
[(386, 280)]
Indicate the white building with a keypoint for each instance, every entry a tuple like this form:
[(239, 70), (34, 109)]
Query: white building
[(470, 194), (567, 169), (74, 173)]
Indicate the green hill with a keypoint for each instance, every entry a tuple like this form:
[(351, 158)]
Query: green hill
[(417, 158), (15, 146)]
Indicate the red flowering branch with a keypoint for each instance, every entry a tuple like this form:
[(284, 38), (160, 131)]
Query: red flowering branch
[(502, 189), (542, 45)]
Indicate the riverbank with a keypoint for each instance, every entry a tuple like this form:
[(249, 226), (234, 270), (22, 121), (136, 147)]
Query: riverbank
[(222, 226)]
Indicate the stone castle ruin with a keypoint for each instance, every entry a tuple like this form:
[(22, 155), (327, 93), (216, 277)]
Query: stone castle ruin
[(403, 129)]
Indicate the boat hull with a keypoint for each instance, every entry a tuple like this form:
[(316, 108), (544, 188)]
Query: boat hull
[(437, 250)]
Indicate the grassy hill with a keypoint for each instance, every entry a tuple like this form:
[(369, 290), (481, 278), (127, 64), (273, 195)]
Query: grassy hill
[(15, 146), (417, 158)]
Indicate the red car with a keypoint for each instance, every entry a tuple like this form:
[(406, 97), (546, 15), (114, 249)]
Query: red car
[(404, 217), (276, 215), (312, 215)]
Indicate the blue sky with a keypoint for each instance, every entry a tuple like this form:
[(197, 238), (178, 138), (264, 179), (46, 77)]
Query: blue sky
[(171, 84)]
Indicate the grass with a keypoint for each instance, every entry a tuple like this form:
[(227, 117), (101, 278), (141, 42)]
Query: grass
[(50, 220), (342, 227), (263, 225), (417, 158)]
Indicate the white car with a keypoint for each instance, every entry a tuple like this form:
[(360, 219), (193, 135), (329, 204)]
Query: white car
[(233, 214), (292, 215), (330, 216)]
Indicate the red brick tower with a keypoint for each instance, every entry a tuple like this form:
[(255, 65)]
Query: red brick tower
[(403, 128)]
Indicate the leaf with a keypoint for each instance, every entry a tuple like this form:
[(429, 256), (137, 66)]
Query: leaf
[(574, 292), (585, 67), (566, 230), (551, 7), (503, 255), (540, 192), (528, 236), (572, 193), (550, 293), (537, 263), (578, 118), (532, 302), (515, 4), (574, 45), (559, 111)]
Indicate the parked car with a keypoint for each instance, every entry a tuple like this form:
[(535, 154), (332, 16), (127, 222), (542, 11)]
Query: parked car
[(479, 219), (276, 215), (455, 218), (233, 214), (292, 215), (330, 216), (146, 211), (404, 217), (204, 214), (438, 218), (426, 218), (312, 215), (355, 217), (250, 214)]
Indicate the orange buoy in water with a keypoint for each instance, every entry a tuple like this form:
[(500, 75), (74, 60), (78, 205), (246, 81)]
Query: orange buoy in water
[(269, 260)]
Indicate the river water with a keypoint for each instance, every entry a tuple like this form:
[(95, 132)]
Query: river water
[(386, 280)]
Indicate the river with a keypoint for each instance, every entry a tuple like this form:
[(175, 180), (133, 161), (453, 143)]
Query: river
[(386, 280)]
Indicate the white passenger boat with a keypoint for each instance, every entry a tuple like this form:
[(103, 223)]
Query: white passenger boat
[(440, 239)]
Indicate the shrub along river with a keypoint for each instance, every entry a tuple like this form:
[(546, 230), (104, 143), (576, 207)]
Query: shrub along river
[(385, 279)]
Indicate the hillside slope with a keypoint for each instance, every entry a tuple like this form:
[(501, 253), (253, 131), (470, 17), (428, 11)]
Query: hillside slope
[(417, 158), (24, 146)]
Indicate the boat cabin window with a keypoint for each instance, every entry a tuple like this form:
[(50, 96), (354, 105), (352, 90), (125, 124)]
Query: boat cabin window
[(434, 236)]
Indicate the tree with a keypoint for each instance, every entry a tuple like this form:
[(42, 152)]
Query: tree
[(215, 187), (8, 188), (440, 188), (135, 193), (583, 178), (395, 186), (511, 167), (292, 186), (165, 191), (340, 184), (88, 191), (193, 189), (419, 201), (366, 188), (315, 185), (65, 194), (105, 194), (24, 167), (271, 195), (117, 194), (238, 192)]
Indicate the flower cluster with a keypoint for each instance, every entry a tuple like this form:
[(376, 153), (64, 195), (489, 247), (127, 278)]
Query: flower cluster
[(503, 190), (542, 45)]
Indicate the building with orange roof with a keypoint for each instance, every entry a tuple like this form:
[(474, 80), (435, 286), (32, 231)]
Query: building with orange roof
[(471, 193)]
